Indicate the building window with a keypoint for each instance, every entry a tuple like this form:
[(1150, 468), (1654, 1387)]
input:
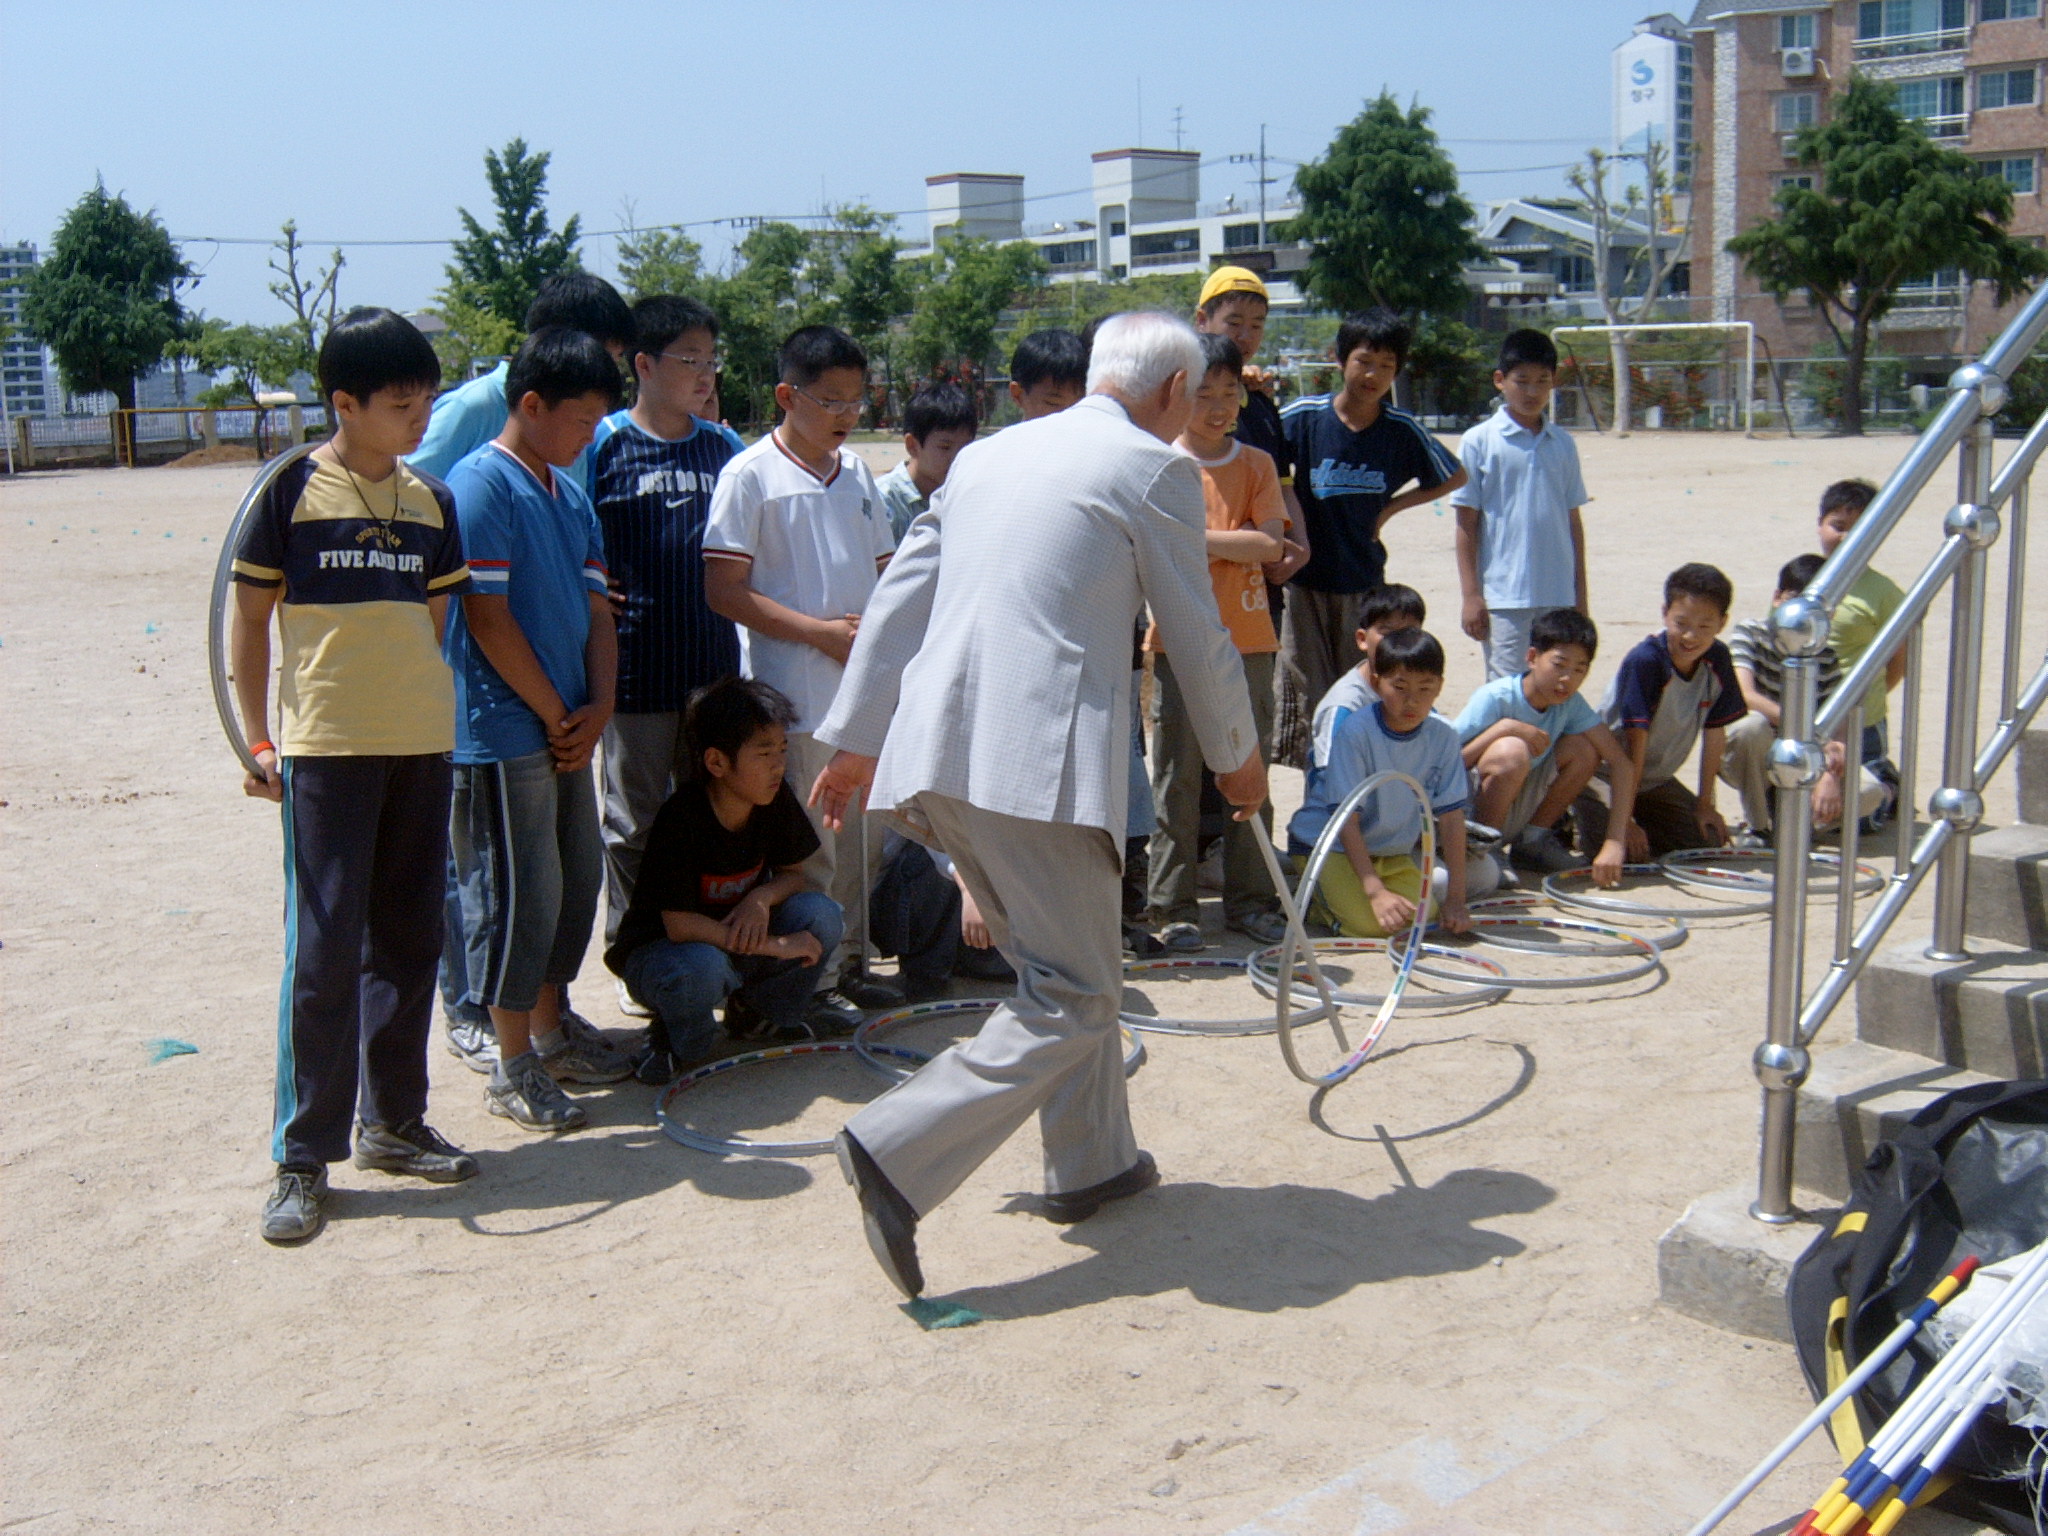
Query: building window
[(1116, 227), (1804, 181), (1575, 273), (2006, 88), (1795, 31), (1237, 236), (1937, 103), (1166, 244), (1070, 253), (1891, 28), (1796, 110), (2007, 10), (2016, 171)]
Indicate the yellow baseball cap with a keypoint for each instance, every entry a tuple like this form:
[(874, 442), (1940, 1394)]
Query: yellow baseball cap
[(1230, 280)]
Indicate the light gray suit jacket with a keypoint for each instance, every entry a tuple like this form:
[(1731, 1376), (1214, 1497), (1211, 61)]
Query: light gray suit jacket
[(993, 663)]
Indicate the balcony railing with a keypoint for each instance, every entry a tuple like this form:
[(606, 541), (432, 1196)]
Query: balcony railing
[(1907, 44), (1948, 126)]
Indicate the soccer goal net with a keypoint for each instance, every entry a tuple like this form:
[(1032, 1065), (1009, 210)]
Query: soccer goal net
[(1691, 375)]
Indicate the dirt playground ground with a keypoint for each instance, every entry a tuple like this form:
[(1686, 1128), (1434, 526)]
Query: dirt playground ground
[(1423, 1303)]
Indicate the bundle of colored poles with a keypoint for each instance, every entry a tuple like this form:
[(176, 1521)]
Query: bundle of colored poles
[(1877, 1488)]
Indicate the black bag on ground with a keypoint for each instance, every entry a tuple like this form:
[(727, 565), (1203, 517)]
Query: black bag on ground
[(1967, 1175)]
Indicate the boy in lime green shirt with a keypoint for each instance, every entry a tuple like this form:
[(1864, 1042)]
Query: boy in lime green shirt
[(1863, 611)]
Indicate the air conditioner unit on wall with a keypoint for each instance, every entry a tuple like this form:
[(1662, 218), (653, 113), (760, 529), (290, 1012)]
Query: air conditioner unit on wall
[(1796, 63)]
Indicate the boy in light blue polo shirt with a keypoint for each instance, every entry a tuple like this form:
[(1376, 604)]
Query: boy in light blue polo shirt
[(1521, 544)]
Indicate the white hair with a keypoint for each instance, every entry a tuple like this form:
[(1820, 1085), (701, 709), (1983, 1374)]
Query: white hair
[(1138, 351)]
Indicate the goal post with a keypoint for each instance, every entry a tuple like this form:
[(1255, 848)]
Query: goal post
[(1744, 328)]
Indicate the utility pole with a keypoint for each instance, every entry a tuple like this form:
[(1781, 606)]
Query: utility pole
[(1176, 127), (1264, 181)]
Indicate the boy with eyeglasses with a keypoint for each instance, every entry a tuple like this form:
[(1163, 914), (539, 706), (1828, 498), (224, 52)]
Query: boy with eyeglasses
[(798, 534), (652, 471)]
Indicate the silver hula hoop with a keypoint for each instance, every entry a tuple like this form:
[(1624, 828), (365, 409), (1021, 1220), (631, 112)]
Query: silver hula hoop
[(1297, 939), (223, 579), (882, 1059), (1668, 933), (1488, 987), (1755, 869), (1620, 906), (676, 1130), (1644, 957), (1257, 1024)]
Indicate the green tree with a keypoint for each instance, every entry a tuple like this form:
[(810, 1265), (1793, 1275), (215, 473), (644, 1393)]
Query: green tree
[(105, 300), (969, 284), (655, 261), (1640, 205), (249, 356), (497, 271), (312, 295), (762, 300), (1383, 218), (1890, 207), (1451, 365)]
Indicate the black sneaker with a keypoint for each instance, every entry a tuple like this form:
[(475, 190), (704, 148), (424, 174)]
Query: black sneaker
[(416, 1149), (743, 1021), (832, 1015), (869, 991), (293, 1212), (473, 1043)]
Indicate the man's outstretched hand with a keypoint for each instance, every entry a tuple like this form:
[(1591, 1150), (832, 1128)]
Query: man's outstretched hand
[(839, 781), (1244, 787)]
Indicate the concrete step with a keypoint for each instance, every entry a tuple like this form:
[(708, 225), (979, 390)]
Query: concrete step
[(1719, 1264), (2009, 885), (1855, 1096), (2032, 758), (1988, 1013)]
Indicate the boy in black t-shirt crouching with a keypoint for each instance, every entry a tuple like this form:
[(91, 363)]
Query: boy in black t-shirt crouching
[(721, 912)]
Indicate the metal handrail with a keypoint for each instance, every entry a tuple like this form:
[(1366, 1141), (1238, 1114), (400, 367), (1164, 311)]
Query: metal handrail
[(1961, 564)]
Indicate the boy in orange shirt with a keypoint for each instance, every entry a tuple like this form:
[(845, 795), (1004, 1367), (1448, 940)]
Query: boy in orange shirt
[(1247, 522)]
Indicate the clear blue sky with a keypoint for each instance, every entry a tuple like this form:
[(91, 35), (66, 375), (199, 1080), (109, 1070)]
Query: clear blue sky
[(369, 120)]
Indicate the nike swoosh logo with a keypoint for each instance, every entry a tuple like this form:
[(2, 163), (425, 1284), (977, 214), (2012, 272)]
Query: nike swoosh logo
[(680, 501)]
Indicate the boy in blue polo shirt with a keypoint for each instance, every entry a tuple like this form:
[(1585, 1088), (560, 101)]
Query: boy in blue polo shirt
[(1521, 543), (653, 468), (357, 556), (1353, 455), (536, 660), (937, 424)]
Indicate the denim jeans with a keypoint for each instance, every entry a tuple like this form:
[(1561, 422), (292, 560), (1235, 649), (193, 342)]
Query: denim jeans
[(682, 983)]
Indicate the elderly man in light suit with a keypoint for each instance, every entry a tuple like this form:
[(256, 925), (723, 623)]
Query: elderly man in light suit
[(988, 703)]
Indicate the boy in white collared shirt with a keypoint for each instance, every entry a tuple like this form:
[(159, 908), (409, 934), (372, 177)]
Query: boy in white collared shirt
[(797, 535), (1521, 544)]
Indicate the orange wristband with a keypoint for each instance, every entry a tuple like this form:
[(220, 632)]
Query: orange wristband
[(261, 746)]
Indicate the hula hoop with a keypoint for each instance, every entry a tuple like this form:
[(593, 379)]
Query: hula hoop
[(1646, 957), (1297, 937), (1256, 1024), (1265, 977), (1621, 906), (223, 579), (1755, 869), (1668, 935), (672, 1125), (875, 1056)]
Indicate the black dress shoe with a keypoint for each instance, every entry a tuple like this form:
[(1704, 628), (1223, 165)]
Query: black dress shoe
[(891, 1223), (868, 991), (1079, 1204)]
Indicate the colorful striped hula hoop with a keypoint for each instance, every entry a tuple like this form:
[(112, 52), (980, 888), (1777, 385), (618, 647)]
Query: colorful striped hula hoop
[(1490, 986), (1297, 941), (673, 1127), (1643, 956), (1559, 889), (882, 1058), (1256, 1024), (1756, 869), (1667, 933)]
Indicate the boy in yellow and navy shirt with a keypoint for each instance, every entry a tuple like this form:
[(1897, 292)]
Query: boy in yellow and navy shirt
[(357, 555)]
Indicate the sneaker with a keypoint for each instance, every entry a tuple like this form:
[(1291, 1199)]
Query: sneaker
[(586, 1060), (743, 1020), (832, 1015), (1261, 927), (580, 1030), (473, 1044), (868, 991), (1541, 851), (415, 1148), (292, 1213), (1182, 938), (522, 1092), (630, 1005), (1140, 945)]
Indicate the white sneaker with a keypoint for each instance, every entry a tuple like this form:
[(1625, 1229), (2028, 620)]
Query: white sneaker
[(630, 1005)]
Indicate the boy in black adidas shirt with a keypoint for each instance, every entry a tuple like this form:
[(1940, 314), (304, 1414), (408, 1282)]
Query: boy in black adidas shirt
[(652, 469)]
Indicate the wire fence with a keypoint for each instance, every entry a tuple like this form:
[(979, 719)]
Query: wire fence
[(152, 435)]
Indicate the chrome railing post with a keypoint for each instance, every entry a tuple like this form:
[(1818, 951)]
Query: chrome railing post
[(1780, 1061), (1958, 801)]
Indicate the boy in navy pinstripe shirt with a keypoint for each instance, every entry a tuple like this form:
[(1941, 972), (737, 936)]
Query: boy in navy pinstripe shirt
[(652, 469)]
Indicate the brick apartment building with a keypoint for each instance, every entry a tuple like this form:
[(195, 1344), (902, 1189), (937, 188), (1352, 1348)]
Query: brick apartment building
[(1971, 70)]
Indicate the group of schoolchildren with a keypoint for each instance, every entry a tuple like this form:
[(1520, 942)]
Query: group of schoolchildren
[(475, 593)]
